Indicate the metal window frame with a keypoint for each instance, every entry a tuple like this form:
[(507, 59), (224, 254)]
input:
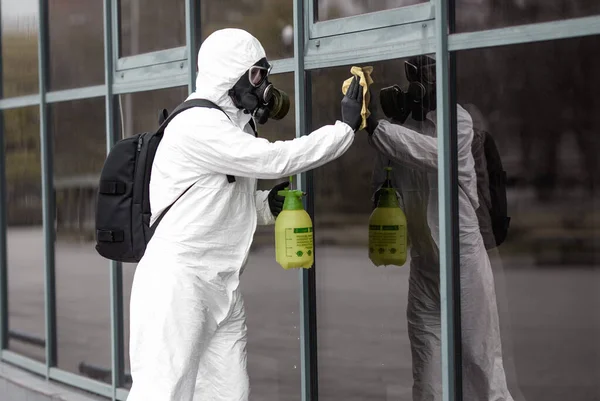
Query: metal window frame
[(152, 58), (165, 68), (522, 34), (4, 321), (47, 163), (143, 59), (18, 102), (368, 21), (308, 330), (117, 336), (391, 34), (448, 206), (358, 47), (155, 70), (192, 30), (24, 362)]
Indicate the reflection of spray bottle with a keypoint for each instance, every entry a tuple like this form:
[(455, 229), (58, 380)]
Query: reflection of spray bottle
[(294, 233), (387, 228)]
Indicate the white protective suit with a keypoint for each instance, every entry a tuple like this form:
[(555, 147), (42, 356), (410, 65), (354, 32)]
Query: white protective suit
[(188, 328), (412, 150)]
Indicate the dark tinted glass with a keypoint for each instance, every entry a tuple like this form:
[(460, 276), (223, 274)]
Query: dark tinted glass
[(538, 102), (332, 9), (150, 25), (363, 338), (476, 15), (76, 43), (270, 21), (19, 48), (82, 276), (25, 236)]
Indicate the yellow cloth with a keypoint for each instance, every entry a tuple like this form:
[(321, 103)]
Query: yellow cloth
[(364, 74)]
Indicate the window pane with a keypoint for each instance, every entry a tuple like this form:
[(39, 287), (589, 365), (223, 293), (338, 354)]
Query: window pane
[(76, 43), (475, 15), (25, 233), (150, 25), (140, 111), (82, 276), (270, 293), (363, 340), (332, 9), (543, 118), (270, 21), (19, 48)]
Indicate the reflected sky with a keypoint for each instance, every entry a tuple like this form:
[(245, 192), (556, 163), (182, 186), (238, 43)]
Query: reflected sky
[(19, 8)]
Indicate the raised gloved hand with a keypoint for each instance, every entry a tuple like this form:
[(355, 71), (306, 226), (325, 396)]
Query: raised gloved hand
[(275, 200), (352, 105)]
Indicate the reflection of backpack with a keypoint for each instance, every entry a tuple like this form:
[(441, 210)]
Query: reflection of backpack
[(491, 190), (123, 208)]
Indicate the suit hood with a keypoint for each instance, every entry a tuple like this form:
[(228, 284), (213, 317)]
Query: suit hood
[(223, 58)]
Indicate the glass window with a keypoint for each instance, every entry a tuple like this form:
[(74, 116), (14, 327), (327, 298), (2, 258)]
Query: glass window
[(332, 9), (540, 108), (76, 43), (140, 111), (475, 15), (270, 293), (270, 21), (150, 25), (25, 234), (82, 276), (363, 333), (19, 48)]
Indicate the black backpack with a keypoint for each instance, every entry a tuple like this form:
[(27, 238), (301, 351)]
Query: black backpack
[(123, 207), (491, 188)]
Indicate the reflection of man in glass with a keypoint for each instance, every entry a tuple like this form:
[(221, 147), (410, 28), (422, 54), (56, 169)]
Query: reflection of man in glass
[(409, 144)]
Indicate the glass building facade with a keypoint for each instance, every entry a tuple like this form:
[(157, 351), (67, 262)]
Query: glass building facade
[(77, 76)]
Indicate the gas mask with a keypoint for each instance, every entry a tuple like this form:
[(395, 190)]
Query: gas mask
[(254, 94), (419, 99)]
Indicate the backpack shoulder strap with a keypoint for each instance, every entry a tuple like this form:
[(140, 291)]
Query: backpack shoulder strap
[(188, 104), (165, 119), (153, 227)]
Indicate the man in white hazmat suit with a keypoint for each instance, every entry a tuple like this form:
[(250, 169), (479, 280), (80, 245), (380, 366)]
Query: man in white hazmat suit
[(409, 145), (188, 328)]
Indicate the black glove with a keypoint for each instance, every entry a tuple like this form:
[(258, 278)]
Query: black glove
[(275, 200), (352, 105)]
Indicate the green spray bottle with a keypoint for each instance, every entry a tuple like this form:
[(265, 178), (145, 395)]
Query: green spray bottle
[(387, 228), (294, 233)]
